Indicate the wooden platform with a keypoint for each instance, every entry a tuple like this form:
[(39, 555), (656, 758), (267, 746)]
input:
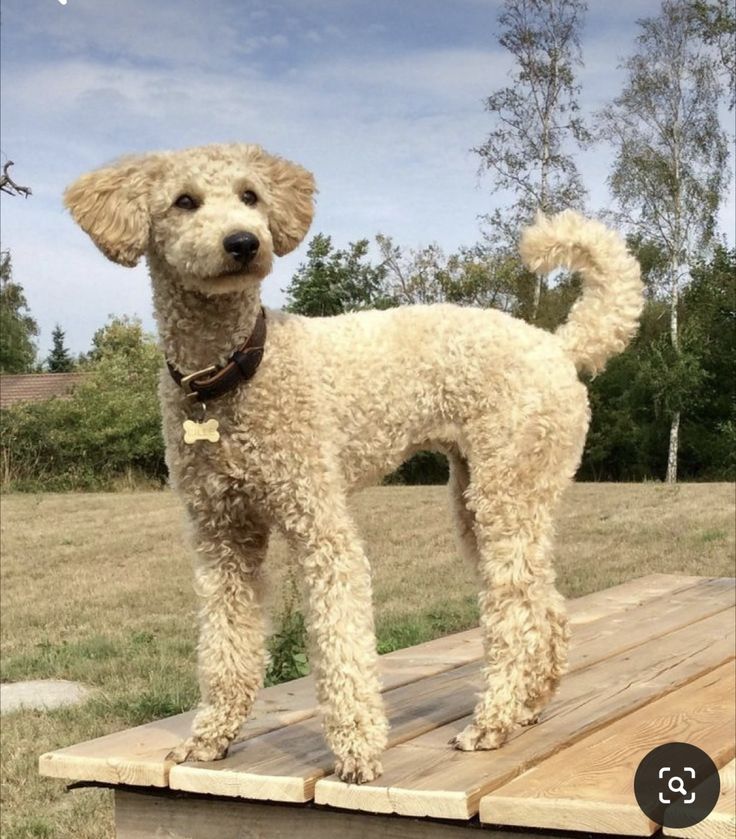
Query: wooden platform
[(651, 661)]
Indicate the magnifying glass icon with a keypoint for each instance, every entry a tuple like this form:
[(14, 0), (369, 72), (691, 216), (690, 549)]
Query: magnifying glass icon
[(673, 783)]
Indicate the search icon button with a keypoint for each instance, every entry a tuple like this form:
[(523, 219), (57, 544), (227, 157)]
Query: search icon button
[(676, 784)]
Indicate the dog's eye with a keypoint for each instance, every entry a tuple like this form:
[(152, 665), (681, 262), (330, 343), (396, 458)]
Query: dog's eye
[(249, 197), (186, 202)]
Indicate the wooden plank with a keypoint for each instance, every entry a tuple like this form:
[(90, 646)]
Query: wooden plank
[(650, 619), (143, 815), (136, 756), (632, 593), (589, 786), (286, 764), (721, 823), (426, 778)]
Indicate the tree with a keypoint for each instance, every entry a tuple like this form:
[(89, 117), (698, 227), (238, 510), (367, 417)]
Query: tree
[(121, 336), (669, 171), (536, 118), (715, 22), (17, 327), (491, 277), (59, 360), (421, 276), (708, 328), (627, 438), (483, 275), (335, 281)]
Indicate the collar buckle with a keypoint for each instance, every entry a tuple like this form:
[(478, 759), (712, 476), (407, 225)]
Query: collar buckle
[(186, 381)]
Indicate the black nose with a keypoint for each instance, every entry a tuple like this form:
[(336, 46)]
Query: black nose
[(241, 245)]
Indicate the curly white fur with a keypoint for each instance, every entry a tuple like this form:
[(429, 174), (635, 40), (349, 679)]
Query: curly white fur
[(603, 321), (339, 402)]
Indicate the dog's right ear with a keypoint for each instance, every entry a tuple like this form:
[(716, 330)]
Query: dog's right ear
[(112, 206)]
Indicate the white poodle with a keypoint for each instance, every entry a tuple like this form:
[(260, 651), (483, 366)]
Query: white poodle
[(308, 409)]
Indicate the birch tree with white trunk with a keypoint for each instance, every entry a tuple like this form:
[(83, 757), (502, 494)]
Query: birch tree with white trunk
[(670, 168), (536, 119)]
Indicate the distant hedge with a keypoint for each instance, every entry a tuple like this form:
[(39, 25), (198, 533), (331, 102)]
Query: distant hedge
[(106, 435)]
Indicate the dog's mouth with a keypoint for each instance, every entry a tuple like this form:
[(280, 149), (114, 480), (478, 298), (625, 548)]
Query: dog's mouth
[(237, 272)]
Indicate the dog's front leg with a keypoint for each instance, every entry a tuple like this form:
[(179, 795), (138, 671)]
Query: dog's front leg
[(231, 648), (343, 646)]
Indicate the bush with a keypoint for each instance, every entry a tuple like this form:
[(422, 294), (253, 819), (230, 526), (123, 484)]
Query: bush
[(107, 433), (287, 648)]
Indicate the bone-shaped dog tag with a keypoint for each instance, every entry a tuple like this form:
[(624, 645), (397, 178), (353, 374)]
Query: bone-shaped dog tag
[(195, 431)]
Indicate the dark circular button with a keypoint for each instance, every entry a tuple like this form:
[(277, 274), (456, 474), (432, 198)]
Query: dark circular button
[(677, 785)]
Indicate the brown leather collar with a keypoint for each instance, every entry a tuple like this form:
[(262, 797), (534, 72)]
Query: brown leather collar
[(214, 381)]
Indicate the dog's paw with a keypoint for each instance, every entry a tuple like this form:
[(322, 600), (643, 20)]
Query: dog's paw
[(532, 719), (358, 770), (472, 738), (196, 749)]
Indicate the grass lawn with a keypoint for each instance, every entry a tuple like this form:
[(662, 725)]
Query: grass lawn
[(97, 588)]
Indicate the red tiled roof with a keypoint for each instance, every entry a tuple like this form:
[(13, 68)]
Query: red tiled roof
[(36, 387)]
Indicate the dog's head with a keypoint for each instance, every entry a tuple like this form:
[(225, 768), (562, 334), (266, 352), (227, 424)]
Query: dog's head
[(214, 216)]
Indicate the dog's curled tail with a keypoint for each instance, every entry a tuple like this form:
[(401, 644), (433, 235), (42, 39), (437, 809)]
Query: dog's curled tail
[(603, 320)]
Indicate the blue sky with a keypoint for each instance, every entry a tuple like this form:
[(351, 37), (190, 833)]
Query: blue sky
[(382, 100)]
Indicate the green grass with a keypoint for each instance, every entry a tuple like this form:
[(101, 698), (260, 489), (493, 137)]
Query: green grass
[(97, 588), (713, 536), (394, 633)]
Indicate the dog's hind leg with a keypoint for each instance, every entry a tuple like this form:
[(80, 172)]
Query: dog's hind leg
[(340, 624), (522, 615), (462, 516), (231, 548)]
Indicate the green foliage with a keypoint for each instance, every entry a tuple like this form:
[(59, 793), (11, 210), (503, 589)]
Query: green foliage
[(288, 654), (335, 281), (709, 329), (122, 337), (59, 360), (671, 377), (619, 445), (288, 647), (17, 327), (669, 174), (109, 429), (489, 277), (416, 276), (715, 21), (633, 400)]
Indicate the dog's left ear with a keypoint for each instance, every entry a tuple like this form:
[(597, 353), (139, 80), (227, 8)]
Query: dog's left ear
[(112, 206), (291, 209)]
